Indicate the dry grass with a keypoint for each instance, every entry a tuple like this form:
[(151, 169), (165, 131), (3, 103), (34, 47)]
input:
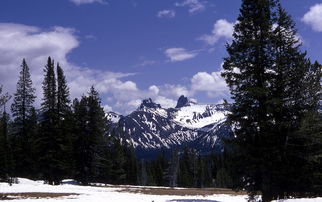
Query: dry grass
[(182, 191), (174, 191), (36, 195)]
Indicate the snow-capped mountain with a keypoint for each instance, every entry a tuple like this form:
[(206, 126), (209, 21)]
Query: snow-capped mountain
[(152, 127), (113, 117)]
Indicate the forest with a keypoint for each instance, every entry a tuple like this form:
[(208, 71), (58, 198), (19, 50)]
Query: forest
[(275, 116)]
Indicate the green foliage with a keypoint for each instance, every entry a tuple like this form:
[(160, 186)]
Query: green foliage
[(23, 124), (273, 86), (54, 144), (6, 161), (91, 126)]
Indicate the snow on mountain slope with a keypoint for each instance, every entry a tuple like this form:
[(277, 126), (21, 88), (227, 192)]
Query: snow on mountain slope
[(152, 127), (198, 116), (113, 117)]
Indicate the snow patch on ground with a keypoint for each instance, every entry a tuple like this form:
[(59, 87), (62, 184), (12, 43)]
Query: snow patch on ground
[(103, 194), (112, 193)]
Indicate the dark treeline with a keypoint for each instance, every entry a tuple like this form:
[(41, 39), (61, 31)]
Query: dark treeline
[(185, 169), (275, 152), (65, 139), (276, 93)]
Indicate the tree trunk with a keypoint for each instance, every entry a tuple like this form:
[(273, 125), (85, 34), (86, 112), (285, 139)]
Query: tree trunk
[(267, 196)]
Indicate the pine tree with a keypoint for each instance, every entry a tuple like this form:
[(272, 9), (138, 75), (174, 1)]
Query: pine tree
[(33, 128), (294, 92), (91, 124), (64, 121), (49, 143), (82, 145), (160, 166), (63, 101), (118, 173), (48, 106), (5, 151), (143, 173), (131, 166), (22, 109), (245, 73), (4, 98), (172, 169), (188, 169), (268, 77)]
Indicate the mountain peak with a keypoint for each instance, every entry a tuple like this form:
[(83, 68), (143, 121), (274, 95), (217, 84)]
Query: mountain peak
[(148, 103), (184, 101)]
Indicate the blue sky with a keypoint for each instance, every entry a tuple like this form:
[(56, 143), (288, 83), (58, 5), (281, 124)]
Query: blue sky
[(133, 49)]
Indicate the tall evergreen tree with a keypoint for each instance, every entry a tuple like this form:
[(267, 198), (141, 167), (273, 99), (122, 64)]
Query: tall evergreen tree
[(266, 73), (48, 106), (245, 73), (50, 148), (294, 92), (172, 170), (89, 142), (22, 109), (63, 101), (131, 166), (118, 173), (64, 121), (5, 151), (4, 98), (81, 151), (5, 154)]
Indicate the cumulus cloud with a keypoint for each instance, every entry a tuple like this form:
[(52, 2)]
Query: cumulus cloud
[(118, 93), (21, 41), (314, 17), (79, 2), (154, 89), (179, 54), (166, 102), (211, 83), (222, 29), (166, 14), (35, 45), (193, 5), (174, 91), (107, 108)]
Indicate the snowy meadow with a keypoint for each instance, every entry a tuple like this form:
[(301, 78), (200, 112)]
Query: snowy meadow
[(29, 191)]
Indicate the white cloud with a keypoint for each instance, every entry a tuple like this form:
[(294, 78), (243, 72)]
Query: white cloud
[(174, 91), (165, 102), (166, 14), (194, 5), (35, 45), (117, 92), (146, 63), (222, 29), (179, 54), (314, 17), (107, 108), (154, 89), (211, 83), (21, 41), (79, 2)]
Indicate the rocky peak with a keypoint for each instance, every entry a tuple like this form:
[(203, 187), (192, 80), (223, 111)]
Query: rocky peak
[(113, 117), (184, 101), (148, 103)]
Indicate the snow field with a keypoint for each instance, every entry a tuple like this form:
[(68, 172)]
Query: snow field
[(114, 194)]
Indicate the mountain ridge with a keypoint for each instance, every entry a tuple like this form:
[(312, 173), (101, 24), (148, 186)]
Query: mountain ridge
[(152, 128)]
